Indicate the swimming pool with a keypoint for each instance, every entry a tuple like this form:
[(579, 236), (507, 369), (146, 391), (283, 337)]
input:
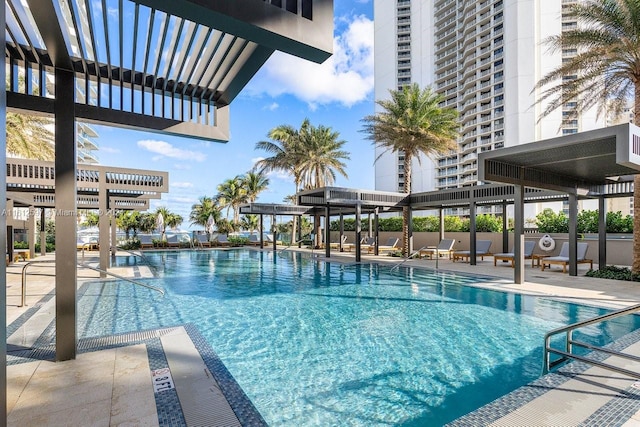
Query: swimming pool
[(314, 343)]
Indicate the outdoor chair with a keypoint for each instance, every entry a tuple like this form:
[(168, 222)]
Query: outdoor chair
[(202, 240), (364, 242), (254, 240), (222, 240), (445, 247), (563, 258), (510, 256), (145, 241), (392, 245), (482, 250), (173, 242), (336, 245)]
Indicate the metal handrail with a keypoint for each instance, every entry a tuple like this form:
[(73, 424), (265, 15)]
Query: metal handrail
[(23, 299), (117, 276), (141, 255), (567, 353), (408, 258)]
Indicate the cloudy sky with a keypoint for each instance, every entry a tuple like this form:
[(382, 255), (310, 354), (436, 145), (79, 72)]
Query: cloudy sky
[(337, 93)]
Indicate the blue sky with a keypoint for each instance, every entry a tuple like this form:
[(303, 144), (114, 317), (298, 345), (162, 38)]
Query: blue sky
[(338, 93)]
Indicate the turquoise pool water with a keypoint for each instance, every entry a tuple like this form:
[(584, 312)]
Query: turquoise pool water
[(318, 344)]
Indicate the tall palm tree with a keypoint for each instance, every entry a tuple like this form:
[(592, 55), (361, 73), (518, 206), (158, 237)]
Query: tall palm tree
[(414, 123), (170, 219), (29, 136), (321, 155), (147, 222), (311, 155), (231, 194), (201, 211), (604, 73), (128, 221), (249, 223), (284, 155), (254, 183)]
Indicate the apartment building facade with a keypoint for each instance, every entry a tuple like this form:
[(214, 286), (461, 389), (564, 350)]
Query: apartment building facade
[(485, 58)]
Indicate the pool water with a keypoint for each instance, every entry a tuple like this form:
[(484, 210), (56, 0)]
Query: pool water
[(317, 344)]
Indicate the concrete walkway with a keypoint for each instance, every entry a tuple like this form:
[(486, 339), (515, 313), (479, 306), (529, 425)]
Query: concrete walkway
[(114, 386)]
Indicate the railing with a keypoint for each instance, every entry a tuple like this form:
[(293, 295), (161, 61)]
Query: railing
[(151, 266), (408, 258), (570, 343), (23, 301)]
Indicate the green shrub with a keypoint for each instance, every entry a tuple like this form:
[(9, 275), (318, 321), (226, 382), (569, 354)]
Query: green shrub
[(20, 245), (50, 247), (548, 221), (613, 272), (238, 240), (131, 244)]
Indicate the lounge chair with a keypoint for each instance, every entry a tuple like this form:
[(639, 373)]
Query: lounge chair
[(202, 240), (445, 247), (145, 241), (509, 256), (563, 258), (336, 245), (173, 242), (254, 240), (482, 250), (392, 245), (222, 240), (364, 242)]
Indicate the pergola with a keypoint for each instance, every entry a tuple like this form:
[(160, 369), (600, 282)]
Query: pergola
[(593, 164), (169, 66), (31, 183)]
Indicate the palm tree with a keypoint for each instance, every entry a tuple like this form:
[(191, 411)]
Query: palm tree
[(231, 194), (29, 136), (604, 73), (201, 211), (147, 222), (170, 219), (321, 155), (412, 122), (128, 221), (254, 183), (249, 223), (284, 153)]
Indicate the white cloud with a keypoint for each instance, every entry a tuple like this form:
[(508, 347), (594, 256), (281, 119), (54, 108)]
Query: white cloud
[(284, 176), (164, 149), (109, 150), (272, 107), (182, 184), (345, 78)]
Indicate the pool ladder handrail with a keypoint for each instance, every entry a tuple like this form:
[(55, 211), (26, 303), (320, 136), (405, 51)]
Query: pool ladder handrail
[(569, 344), (407, 258), (141, 255), (23, 299)]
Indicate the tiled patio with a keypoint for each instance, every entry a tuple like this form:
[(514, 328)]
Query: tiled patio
[(110, 382)]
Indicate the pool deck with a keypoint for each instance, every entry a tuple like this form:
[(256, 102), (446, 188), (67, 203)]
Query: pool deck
[(110, 382)]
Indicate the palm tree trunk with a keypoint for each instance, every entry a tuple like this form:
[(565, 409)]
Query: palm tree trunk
[(406, 216), (635, 267)]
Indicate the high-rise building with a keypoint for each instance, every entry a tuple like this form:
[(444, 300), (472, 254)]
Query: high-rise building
[(485, 58)]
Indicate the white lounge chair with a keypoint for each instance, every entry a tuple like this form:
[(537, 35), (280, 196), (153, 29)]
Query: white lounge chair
[(254, 240), (392, 245), (563, 258), (482, 250), (509, 256), (445, 247)]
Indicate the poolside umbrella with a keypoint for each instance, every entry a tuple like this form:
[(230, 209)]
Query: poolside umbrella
[(160, 225), (210, 224)]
